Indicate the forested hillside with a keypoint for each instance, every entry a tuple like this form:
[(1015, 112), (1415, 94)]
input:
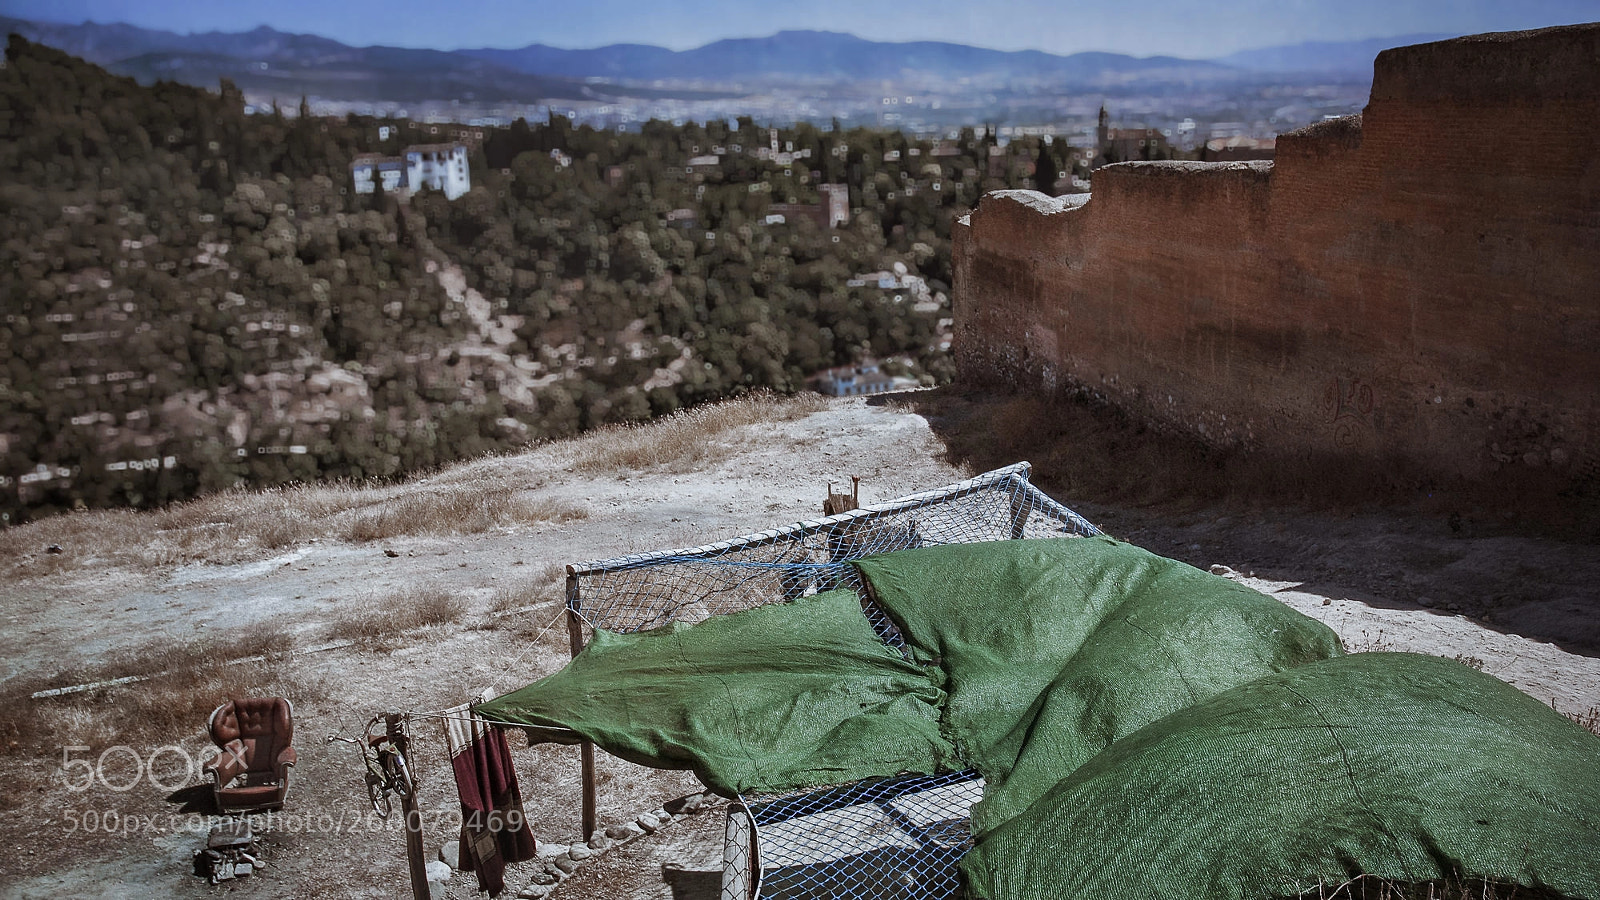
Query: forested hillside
[(195, 298)]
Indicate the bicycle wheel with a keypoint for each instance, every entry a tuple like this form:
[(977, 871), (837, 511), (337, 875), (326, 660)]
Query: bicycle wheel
[(379, 797), (400, 778)]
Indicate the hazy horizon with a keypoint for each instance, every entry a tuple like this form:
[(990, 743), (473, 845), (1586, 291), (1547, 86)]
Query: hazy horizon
[(1158, 28)]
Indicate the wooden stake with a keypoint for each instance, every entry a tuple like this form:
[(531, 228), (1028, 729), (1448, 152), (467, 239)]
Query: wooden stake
[(586, 751), (408, 804)]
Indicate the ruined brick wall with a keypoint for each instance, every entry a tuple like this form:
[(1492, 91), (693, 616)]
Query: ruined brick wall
[(1419, 284)]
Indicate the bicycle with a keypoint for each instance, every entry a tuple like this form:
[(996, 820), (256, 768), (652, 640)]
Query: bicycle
[(387, 770)]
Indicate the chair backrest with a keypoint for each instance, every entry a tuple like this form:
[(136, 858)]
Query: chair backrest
[(264, 725)]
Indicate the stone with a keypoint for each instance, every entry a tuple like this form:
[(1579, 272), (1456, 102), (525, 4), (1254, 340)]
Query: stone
[(566, 864), (551, 851), (601, 842), (230, 834), (662, 814), (450, 854), (684, 806), (624, 832), (535, 891), (241, 870), (649, 823), (438, 871), (579, 852), (1220, 569), (543, 877), (392, 554)]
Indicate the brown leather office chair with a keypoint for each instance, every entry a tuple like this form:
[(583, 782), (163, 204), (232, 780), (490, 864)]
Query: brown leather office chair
[(252, 771)]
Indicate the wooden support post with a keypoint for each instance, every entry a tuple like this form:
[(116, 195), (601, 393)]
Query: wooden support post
[(1019, 508), (739, 874), (408, 804), (586, 751)]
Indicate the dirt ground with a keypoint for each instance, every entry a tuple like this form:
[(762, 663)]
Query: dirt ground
[(1384, 581)]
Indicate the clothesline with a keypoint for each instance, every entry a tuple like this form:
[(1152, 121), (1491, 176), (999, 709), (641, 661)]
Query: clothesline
[(445, 714), (448, 715)]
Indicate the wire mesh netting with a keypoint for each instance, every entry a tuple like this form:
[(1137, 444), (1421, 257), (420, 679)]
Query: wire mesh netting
[(649, 590), (893, 838)]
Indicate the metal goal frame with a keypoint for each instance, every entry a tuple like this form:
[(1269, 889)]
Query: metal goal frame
[(898, 837)]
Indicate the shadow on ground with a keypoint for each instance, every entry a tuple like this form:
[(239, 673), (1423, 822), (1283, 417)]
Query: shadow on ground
[(1387, 535)]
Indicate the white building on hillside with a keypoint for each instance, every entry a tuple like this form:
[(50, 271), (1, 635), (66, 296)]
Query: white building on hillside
[(442, 167), (372, 172)]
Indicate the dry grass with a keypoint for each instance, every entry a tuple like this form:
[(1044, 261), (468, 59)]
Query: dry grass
[(183, 683), (237, 526), (546, 586), (449, 510), (469, 498), (378, 621), (1589, 719), (689, 437)]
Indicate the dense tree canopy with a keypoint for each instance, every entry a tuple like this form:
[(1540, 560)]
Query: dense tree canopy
[(194, 297)]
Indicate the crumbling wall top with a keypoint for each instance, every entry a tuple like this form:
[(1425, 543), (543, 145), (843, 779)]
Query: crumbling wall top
[(1548, 64)]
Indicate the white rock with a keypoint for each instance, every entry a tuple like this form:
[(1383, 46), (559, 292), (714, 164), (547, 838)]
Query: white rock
[(450, 854), (551, 851), (438, 871)]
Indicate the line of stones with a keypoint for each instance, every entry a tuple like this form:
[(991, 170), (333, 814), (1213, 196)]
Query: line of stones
[(559, 862)]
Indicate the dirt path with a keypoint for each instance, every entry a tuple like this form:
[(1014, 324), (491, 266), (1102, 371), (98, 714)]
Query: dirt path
[(767, 474)]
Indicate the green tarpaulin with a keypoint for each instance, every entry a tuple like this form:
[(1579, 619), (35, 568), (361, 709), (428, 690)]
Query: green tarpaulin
[(1407, 767), (1056, 648), (1144, 728), (788, 695)]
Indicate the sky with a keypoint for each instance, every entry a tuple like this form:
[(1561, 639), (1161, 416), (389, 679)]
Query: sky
[(1189, 28)]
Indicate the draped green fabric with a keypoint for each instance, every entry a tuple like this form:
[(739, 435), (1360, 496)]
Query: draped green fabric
[(1408, 767), (1055, 648), (781, 696), (1143, 728)]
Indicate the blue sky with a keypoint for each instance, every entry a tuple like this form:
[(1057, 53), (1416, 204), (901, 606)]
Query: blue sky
[(1193, 28)]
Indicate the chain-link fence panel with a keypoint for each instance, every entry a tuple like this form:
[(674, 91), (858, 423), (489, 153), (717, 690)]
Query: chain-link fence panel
[(894, 839), (885, 838)]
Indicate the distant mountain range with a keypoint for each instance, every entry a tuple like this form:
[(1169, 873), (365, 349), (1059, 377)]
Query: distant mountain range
[(1338, 57), (827, 56), (268, 61)]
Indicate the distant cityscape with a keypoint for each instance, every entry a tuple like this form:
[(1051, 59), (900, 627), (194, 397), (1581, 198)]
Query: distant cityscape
[(1186, 121), (926, 90)]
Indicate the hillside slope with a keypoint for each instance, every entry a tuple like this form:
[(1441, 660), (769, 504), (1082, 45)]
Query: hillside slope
[(431, 590)]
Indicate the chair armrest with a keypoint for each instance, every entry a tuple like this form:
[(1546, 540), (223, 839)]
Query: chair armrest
[(228, 764), (286, 757)]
